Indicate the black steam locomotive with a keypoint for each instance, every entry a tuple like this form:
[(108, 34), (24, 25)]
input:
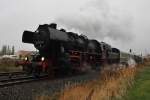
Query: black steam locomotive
[(62, 52)]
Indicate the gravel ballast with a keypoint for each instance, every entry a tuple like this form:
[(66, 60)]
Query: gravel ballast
[(28, 91)]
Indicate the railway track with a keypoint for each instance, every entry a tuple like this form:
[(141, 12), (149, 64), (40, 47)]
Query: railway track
[(30, 89), (7, 79), (10, 73)]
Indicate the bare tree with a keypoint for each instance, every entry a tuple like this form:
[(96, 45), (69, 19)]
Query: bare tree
[(13, 50), (4, 50)]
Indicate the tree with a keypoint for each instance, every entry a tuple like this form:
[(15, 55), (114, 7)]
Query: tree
[(13, 50), (8, 50), (1, 53), (4, 50)]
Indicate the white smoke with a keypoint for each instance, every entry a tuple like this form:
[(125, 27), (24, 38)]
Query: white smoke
[(98, 20), (131, 62)]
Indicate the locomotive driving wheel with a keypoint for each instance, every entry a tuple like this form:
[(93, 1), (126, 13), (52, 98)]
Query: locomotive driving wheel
[(64, 66)]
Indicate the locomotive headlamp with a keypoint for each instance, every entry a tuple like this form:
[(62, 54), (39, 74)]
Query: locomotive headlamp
[(25, 58), (42, 59)]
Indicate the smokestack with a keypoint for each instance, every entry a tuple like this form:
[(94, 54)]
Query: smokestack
[(53, 25)]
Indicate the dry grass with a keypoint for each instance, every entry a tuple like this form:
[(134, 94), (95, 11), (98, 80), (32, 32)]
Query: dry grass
[(8, 65), (111, 85)]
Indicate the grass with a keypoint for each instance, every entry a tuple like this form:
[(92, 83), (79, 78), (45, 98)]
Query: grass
[(111, 86), (141, 88), (10, 69)]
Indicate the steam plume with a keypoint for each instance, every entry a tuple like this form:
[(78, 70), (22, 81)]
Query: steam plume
[(97, 19)]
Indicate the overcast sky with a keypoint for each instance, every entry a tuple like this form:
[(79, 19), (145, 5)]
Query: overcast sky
[(124, 24)]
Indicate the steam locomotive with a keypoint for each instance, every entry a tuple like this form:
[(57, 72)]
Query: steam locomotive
[(62, 52)]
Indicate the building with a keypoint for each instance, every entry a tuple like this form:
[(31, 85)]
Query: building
[(22, 53)]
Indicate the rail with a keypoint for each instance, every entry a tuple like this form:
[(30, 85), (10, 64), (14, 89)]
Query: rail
[(7, 79)]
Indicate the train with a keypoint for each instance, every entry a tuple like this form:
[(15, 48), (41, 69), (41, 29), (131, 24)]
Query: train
[(61, 52)]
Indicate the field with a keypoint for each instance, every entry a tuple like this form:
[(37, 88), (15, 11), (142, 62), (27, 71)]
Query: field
[(8, 65), (141, 88)]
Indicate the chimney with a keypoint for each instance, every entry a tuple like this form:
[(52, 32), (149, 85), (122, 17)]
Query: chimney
[(53, 25)]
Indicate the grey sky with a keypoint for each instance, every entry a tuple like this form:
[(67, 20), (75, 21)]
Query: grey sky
[(128, 25)]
